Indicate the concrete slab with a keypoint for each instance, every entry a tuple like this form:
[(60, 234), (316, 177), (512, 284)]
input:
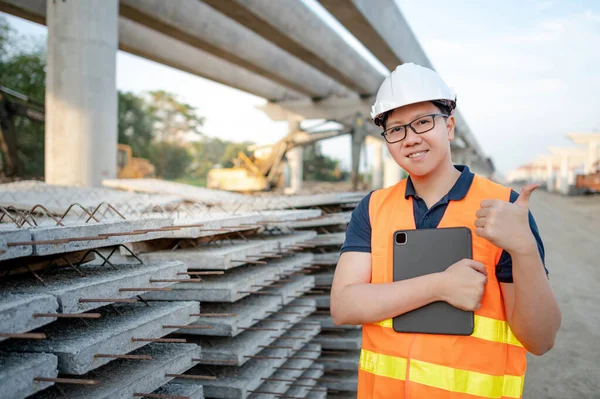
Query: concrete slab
[(323, 278), (18, 373), (17, 312), (249, 310), (120, 379), (103, 234), (287, 376), (325, 240), (323, 301), (238, 350), (345, 382), (348, 361), (77, 344), (173, 389), (328, 259), (24, 195), (345, 340), (238, 382), (99, 282), (305, 382), (328, 219), (232, 253), (234, 285), (10, 234)]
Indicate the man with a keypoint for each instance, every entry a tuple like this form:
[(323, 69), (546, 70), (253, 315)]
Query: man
[(505, 283)]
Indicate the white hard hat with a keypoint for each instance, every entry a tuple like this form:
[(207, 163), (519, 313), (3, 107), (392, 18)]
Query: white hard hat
[(409, 84)]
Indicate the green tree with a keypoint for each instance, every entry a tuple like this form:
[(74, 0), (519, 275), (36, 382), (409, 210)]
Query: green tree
[(319, 167), (135, 123), (170, 159), (174, 121), (22, 69)]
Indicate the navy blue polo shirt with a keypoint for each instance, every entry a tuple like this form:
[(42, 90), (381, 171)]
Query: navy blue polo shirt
[(358, 233)]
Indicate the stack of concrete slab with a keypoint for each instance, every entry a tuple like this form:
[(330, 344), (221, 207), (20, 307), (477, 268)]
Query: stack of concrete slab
[(151, 294)]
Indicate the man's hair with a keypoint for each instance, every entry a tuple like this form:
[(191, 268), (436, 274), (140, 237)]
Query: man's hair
[(445, 106)]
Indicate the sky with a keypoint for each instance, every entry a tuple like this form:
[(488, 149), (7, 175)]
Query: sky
[(525, 73)]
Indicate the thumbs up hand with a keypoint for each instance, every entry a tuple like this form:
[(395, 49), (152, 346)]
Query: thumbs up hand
[(506, 224)]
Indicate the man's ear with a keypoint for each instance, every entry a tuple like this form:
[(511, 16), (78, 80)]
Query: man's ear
[(450, 125)]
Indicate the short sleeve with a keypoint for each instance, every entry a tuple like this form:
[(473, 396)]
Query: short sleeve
[(504, 266), (358, 232)]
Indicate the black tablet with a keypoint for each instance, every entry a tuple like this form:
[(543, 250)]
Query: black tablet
[(424, 251)]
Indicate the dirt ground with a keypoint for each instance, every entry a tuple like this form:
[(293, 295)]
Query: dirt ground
[(570, 229)]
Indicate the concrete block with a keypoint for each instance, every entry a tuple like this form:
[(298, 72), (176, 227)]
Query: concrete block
[(76, 344), (120, 379), (190, 391), (99, 282), (237, 350), (306, 381), (348, 361), (344, 340), (17, 312), (234, 285), (287, 376), (249, 310), (238, 382), (345, 382), (17, 373), (110, 234), (231, 254), (11, 234)]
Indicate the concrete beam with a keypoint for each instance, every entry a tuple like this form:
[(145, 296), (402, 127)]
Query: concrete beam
[(305, 383), (345, 340), (383, 30), (200, 26), (285, 24), (147, 43)]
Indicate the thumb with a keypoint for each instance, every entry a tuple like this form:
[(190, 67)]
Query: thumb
[(525, 194)]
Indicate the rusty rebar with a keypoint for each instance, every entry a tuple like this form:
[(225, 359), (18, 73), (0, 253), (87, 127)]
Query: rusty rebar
[(23, 335), (161, 340), (189, 327), (115, 300), (160, 395), (145, 289), (214, 314), (67, 381)]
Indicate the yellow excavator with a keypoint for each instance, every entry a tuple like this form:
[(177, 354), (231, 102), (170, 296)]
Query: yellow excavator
[(14, 103), (263, 170)]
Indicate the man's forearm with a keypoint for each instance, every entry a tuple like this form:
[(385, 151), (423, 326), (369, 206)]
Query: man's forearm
[(536, 317), (368, 303)]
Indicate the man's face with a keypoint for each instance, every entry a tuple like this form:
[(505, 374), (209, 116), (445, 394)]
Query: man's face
[(420, 154)]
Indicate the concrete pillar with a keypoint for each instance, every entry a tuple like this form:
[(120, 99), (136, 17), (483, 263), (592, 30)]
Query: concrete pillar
[(392, 173), (593, 156), (295, 158), (377, 164), (81, 94)]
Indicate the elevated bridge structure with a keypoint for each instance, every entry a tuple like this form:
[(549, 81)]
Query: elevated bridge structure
[(284, 51)]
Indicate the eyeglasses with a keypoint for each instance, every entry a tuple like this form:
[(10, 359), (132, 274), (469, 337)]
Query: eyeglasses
[(420, 125)]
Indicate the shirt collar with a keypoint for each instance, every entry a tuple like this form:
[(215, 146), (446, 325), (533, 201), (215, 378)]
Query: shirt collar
[(457, 192)]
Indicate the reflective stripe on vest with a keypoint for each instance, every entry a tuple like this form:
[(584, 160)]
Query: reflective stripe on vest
[(447, 378), (485, 328), (490, 363)]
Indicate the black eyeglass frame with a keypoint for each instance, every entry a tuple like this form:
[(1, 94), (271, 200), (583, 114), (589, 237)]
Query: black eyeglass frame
[(384, 133)]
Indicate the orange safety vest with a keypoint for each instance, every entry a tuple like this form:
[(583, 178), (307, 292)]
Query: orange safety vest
[(490, 363)]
